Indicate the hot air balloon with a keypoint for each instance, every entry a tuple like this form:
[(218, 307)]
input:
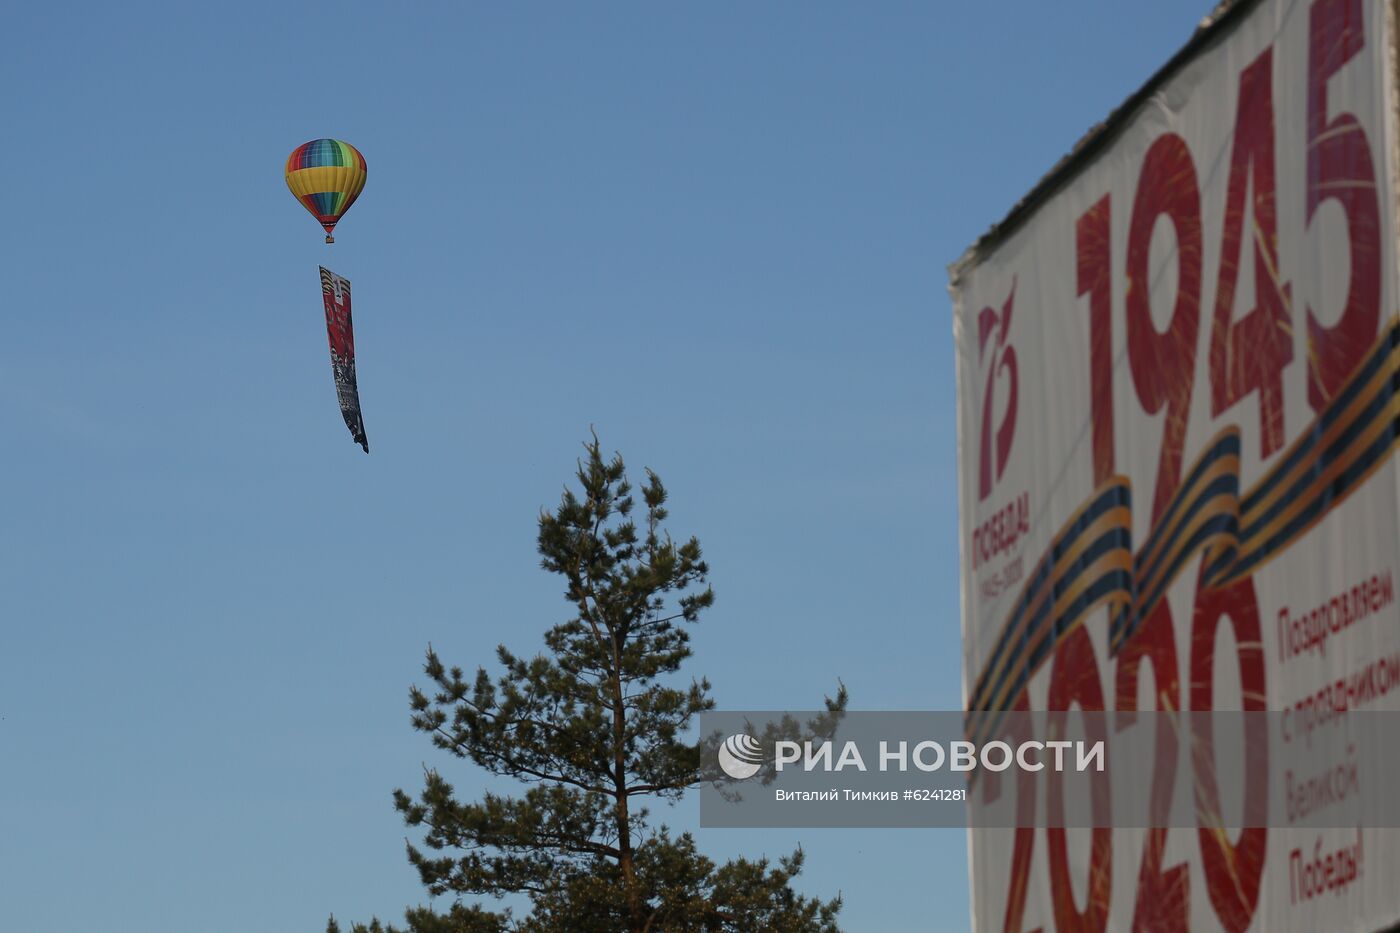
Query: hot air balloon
[(326, 176)]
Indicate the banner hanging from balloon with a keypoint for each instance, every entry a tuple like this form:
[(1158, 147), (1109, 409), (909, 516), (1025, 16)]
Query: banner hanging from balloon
[(335, 294)]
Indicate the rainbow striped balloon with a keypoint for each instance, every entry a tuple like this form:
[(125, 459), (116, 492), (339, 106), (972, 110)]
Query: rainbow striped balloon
[(326, 176)]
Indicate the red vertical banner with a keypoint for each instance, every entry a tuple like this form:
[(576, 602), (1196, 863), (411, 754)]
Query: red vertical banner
[(340, 328)]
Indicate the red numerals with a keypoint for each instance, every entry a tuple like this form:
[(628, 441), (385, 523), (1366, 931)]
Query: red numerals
[(1340, 168), (1232, 870), (1250, 355), (1074, 680), (1003, 361), (1016, 729), (1163, 901), (1249, 351), (1091, 238), (1164, 363)]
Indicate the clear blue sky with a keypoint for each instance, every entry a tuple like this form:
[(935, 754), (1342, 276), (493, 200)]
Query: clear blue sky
[(717, 232)]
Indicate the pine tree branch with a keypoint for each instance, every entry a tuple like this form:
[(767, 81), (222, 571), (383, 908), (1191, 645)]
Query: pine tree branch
[(513, 766), (634, 789), (486, 839)]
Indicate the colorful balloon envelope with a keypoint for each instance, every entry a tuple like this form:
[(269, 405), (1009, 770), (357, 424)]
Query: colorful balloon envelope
[(326, 176)]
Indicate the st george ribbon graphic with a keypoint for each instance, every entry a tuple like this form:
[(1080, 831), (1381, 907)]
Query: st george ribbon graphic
[(1091, 561), (335, 293)]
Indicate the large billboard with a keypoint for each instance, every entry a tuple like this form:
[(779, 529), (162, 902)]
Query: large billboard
[(1178, 362)]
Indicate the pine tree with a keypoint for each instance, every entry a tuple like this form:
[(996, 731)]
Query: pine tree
[(594, 727)]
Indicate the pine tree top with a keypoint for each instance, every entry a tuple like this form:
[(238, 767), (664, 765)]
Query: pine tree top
[(592, 727)]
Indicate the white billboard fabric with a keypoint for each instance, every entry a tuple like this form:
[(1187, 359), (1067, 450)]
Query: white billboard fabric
[(1178, 366)]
